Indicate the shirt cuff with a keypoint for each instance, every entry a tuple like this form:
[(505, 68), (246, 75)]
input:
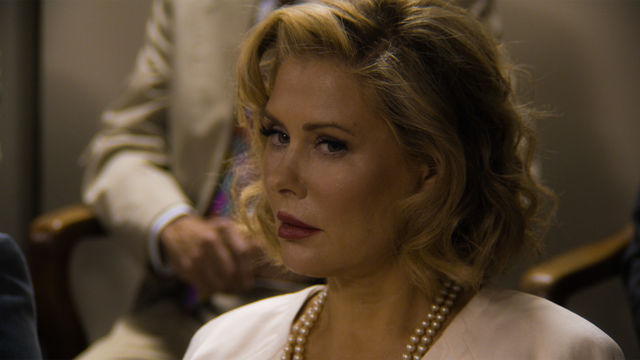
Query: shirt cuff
[(154, 246)]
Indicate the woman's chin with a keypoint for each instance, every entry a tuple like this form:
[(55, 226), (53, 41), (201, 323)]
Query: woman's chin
[(303, 263), (307, 269)]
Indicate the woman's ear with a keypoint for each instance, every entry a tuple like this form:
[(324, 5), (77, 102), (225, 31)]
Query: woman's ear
[(429, 174)]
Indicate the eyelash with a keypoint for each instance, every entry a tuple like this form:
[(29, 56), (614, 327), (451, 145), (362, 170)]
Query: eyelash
[(329, 141), (269, 131)]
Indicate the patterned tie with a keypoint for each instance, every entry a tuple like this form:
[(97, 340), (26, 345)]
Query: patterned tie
[(221, 201)]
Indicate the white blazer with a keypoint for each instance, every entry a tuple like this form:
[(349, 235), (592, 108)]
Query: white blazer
[(496, 324)]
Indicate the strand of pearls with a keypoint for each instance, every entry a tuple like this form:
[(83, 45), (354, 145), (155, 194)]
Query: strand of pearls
[(423, 336), (300, 330), (419, 342)]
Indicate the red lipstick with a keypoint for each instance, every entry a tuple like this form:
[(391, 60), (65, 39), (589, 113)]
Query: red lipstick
[(294, 229)]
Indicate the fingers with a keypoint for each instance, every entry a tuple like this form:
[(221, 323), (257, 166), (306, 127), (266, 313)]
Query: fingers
[(211, 255), (206, 270), (242, 248), (218, 260), (184, 246)]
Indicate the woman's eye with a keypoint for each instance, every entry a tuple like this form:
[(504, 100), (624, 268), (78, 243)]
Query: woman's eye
[(275, 136), (332, 146), (281, 138)]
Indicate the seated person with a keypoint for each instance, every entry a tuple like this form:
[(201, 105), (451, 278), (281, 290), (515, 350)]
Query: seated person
[(18, 336), (389, 157), (631, 269)]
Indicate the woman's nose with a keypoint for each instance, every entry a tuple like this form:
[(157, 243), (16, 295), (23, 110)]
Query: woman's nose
[(283, 173)]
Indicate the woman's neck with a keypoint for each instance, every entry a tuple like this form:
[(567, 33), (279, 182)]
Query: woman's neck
[(369, 317), (382, 299)]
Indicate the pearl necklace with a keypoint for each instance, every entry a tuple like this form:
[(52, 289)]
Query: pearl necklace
[(420, 341)]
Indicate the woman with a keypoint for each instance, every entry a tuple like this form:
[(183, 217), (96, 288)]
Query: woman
[(389, 157)]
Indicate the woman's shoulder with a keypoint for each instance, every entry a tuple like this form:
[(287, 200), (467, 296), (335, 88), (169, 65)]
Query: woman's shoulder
[(260, 326), (513, 324)]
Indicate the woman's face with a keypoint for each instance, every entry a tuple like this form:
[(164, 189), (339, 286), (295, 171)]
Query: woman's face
[(332, 171)]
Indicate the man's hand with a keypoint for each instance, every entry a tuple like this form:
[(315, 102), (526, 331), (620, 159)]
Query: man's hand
[(212, 255)]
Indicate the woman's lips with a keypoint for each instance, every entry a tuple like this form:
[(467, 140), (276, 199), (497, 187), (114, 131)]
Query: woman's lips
[(292, 228)]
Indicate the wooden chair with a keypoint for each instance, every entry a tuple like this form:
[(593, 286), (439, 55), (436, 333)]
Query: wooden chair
[(562, 276), (52, 238)]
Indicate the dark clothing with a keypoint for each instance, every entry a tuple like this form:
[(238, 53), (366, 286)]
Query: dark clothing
[(18, 335), (631, 269)]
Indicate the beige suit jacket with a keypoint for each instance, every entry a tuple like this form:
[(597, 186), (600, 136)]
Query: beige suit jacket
[(163, 142)]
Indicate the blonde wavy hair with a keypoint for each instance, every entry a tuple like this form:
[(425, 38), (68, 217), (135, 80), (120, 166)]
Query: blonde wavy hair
[(442, 84)]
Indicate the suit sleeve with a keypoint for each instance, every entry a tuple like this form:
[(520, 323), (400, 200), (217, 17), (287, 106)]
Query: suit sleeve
[(127, 177)]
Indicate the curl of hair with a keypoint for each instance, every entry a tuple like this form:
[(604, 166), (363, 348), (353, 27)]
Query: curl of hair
[(442, 84)]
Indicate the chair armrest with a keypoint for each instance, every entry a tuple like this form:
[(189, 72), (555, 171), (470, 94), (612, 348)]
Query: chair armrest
[(52, 238), (559, 277)]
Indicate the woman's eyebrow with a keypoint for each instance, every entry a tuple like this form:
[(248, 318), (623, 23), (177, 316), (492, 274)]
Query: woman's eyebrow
[(272, 119), (309, 126), (322, 125)]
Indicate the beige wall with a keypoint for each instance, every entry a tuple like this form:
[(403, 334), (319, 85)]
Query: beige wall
[(581, 52), (88, 49)]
